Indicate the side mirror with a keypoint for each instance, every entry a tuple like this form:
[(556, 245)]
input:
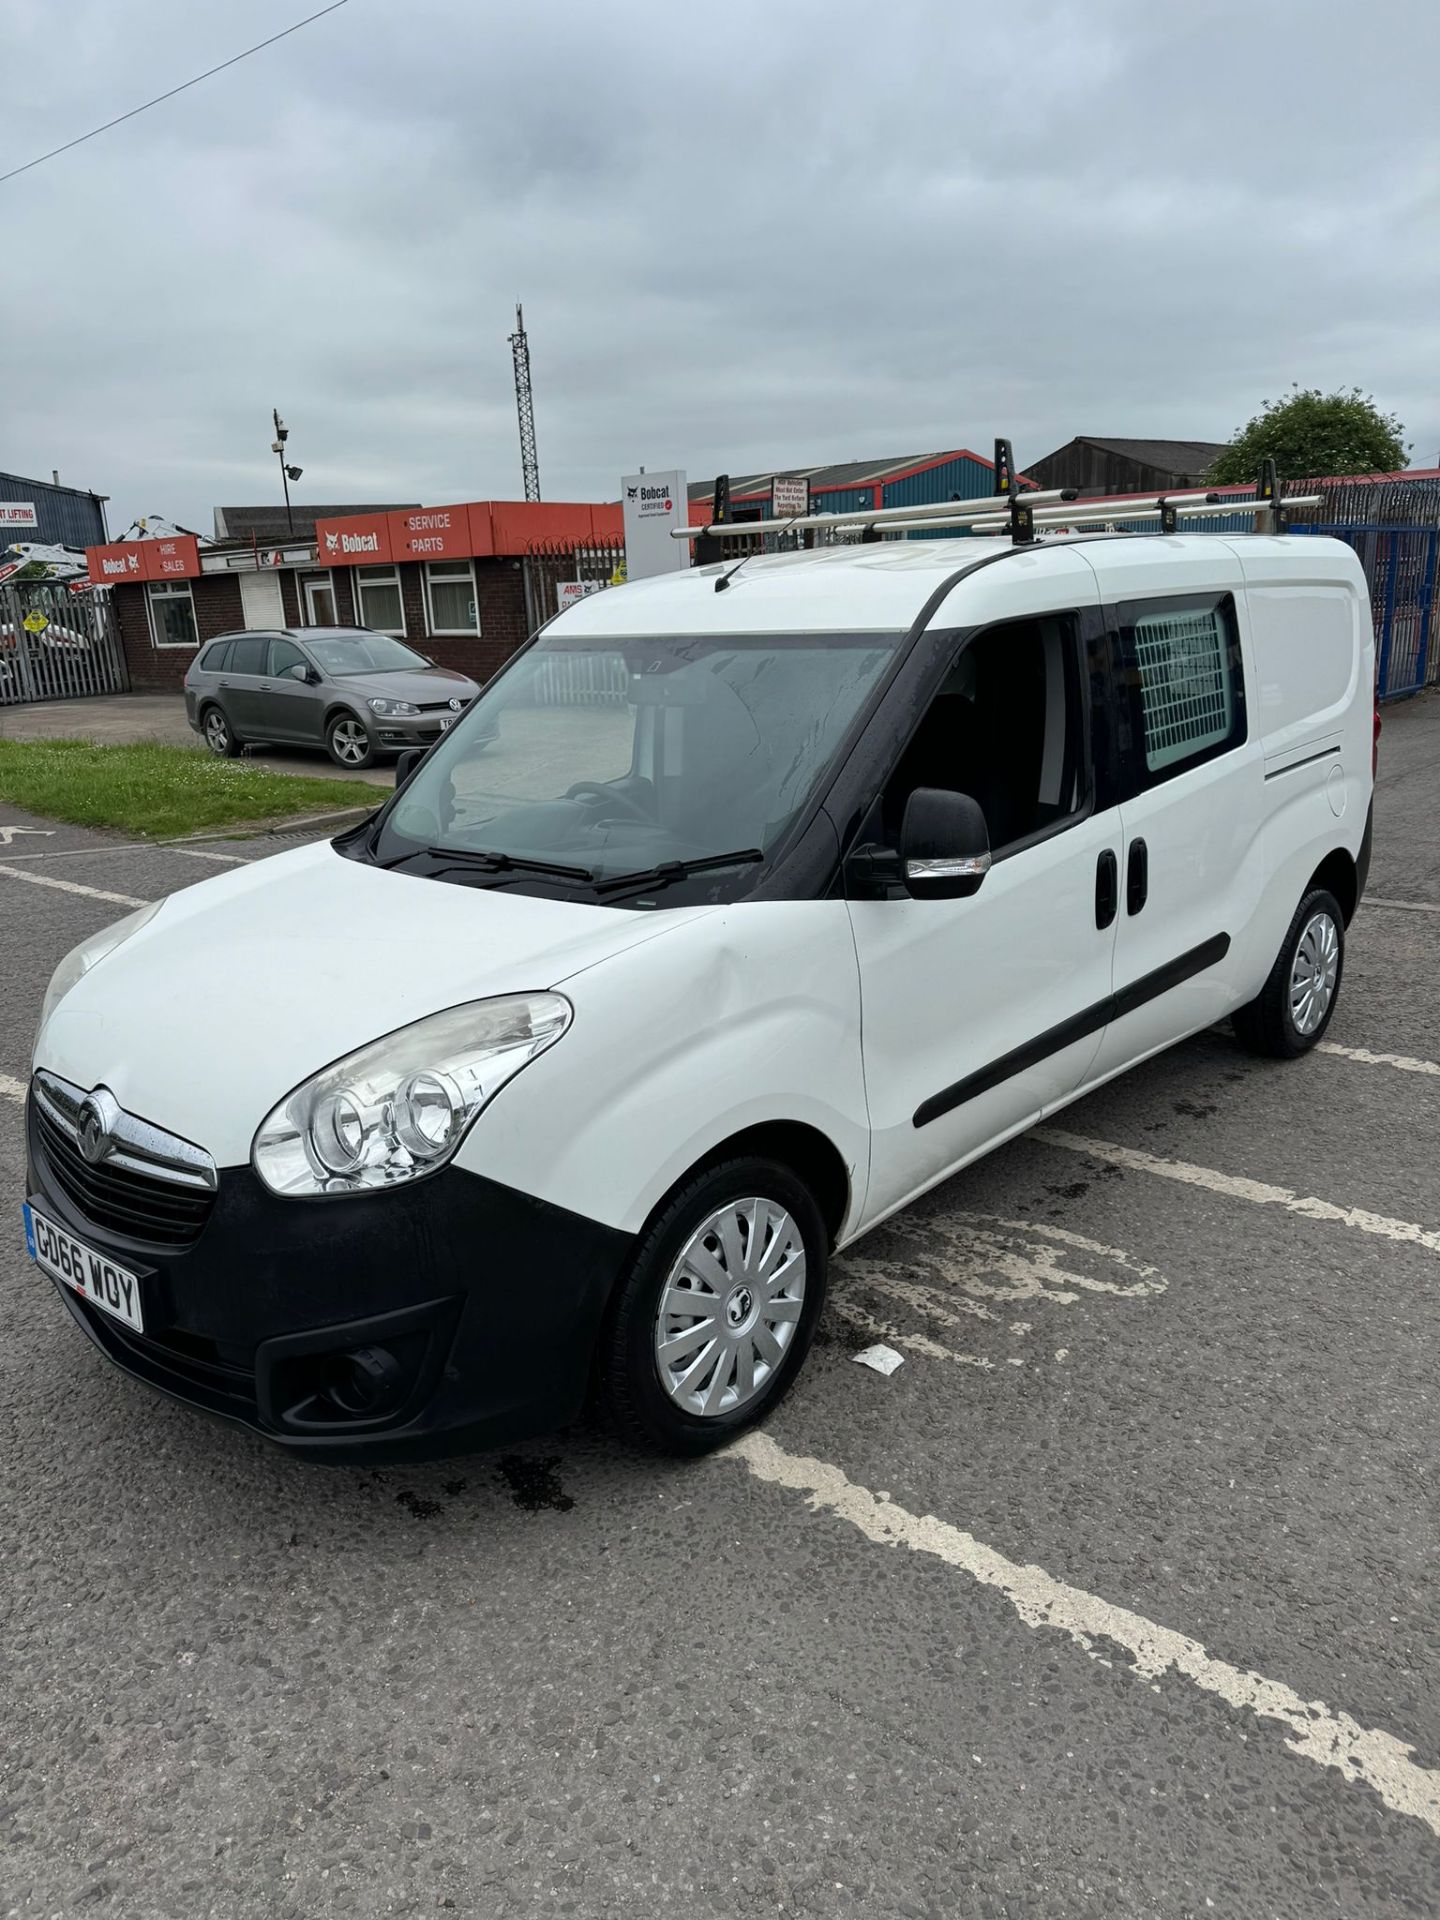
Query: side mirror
[(944, 845), (298, 672), (407, 763), (313, 677)]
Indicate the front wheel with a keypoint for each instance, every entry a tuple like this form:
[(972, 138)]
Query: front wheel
[(712, 1321), (1293, 1008), (348, 739)]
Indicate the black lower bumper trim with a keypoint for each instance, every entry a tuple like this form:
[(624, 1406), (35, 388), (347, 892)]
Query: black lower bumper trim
[(478, 1304)]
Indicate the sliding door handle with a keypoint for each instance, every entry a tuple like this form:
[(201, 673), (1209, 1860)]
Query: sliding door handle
[(1137, 877), (1107, 889)]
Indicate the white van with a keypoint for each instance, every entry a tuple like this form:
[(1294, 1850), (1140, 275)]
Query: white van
[(723, 925)]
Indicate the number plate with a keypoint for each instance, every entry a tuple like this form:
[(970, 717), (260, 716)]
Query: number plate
[(115, 1290), (445, 720)]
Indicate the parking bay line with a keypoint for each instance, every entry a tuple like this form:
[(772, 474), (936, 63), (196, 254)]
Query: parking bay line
[(1403, 906), (1404, 1061), (1312, 1730), (73, 886), (1239, 1188), (138, 846)]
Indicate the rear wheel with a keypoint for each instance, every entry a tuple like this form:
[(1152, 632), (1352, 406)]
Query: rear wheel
[(348, 739), (219, 734), (1293, 1008), (712, 1322)]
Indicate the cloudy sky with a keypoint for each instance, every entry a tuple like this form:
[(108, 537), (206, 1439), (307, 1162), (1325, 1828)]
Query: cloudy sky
[(744, 236)]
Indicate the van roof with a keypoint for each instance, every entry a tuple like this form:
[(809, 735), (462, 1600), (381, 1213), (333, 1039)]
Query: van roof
[(884, 586)]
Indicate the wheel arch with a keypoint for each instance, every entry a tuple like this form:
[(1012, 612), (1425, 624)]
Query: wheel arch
[(809, 1154), (1338, 875)]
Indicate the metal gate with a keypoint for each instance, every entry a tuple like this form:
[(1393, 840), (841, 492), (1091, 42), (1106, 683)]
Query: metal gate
[(57, 645), (549, 564), (1400, 564)]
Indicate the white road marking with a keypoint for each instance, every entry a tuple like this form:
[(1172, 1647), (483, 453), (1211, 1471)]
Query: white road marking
[(1312, 1730), (1405, 906), (11, 1089), (1239, 1188), (73, 886), (135, 846), (1404, 1061), (200, 853), (7, 834)]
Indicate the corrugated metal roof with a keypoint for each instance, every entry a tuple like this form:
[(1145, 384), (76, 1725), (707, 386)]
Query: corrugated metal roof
[(271, 522), (1170, 456)]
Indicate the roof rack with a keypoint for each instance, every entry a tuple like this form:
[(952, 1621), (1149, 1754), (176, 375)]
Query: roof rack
[(1024, 514)]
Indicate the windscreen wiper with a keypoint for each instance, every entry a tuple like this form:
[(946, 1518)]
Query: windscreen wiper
[(485, 861), (669, 870)]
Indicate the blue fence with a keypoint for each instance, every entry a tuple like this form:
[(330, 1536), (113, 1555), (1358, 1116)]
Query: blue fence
[(1400, 564)]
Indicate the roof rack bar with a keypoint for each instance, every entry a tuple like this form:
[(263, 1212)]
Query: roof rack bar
[(1202, 509), (958, 511)]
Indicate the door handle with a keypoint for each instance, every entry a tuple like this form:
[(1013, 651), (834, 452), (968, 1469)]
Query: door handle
[(1137, 877), (1107, 889)]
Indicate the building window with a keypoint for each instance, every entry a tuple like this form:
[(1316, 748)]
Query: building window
[(450, 585), (377, 594), (172, 615)]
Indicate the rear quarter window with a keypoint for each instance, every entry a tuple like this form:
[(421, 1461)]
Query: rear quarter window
[(1307, 641), (1181, 686), (212, 660)]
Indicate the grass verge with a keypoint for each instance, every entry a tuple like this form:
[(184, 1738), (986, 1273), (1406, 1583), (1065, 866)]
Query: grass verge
[(160, 791)]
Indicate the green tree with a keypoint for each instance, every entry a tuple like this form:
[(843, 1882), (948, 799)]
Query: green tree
[(1310, 435)]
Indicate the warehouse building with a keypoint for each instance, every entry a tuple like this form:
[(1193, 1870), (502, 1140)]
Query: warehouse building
[(907, 480), (43, 513), (1126, 466)]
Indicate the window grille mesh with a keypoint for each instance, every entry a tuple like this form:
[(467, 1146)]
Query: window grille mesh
[(1184, 684)]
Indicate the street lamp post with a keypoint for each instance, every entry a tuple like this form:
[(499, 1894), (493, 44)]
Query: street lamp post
[(287, 474)]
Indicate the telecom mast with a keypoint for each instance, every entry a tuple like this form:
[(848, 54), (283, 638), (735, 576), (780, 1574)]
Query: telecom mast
[(525, 407)]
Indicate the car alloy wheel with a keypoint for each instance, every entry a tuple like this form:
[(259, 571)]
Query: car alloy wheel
[(217, 731), (350, 743)]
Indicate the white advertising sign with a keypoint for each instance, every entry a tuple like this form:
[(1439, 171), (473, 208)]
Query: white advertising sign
[(789, 499), (653, 503), (18, 513), (567, 592)]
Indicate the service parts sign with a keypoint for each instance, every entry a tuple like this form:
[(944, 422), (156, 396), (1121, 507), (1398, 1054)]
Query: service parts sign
[(653, 503)]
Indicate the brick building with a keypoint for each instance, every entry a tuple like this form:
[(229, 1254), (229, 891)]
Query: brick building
[(450, 581)]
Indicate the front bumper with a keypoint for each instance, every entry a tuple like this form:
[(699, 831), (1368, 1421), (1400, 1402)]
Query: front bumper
[(488, 1300)]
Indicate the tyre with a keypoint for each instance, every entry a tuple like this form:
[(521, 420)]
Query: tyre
[(349, 741), (218, 733), (1293, 1008), (713, 1318)]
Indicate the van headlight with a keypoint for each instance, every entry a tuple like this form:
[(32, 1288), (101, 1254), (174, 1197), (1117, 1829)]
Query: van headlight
[(78, 962), (400, 1107)]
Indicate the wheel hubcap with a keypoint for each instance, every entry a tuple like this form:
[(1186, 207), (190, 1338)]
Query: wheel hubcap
[(350, 742), (730, 1307), (1314, 973)]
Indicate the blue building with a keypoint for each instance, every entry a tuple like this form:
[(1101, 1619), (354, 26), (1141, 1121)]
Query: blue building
[(63, 516)]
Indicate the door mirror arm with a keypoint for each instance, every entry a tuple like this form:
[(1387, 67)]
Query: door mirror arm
[(944, 845), (874, 872)]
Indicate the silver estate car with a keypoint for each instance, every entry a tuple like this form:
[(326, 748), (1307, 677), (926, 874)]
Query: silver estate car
[(356, 693)]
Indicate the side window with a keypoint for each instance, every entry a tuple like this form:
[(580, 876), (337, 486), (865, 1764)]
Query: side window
[(213, 658), (1182, 685), (284, 654), (247, 655), (1007, 728)]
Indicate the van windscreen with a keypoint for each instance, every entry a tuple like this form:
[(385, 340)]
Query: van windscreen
[(615, 756)]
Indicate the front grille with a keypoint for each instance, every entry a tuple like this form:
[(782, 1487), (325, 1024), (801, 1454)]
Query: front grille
[(118, 1193), (441, 706)]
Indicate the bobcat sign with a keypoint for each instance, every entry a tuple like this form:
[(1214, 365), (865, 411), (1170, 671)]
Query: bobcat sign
[(653, 503)]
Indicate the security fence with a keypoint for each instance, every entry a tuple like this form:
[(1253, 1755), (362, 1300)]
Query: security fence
[(57, 645)]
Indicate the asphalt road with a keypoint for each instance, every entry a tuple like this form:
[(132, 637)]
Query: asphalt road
[(1118, 1598)]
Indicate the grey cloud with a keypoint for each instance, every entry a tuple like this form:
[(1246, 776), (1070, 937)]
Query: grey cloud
[(826, 231)]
